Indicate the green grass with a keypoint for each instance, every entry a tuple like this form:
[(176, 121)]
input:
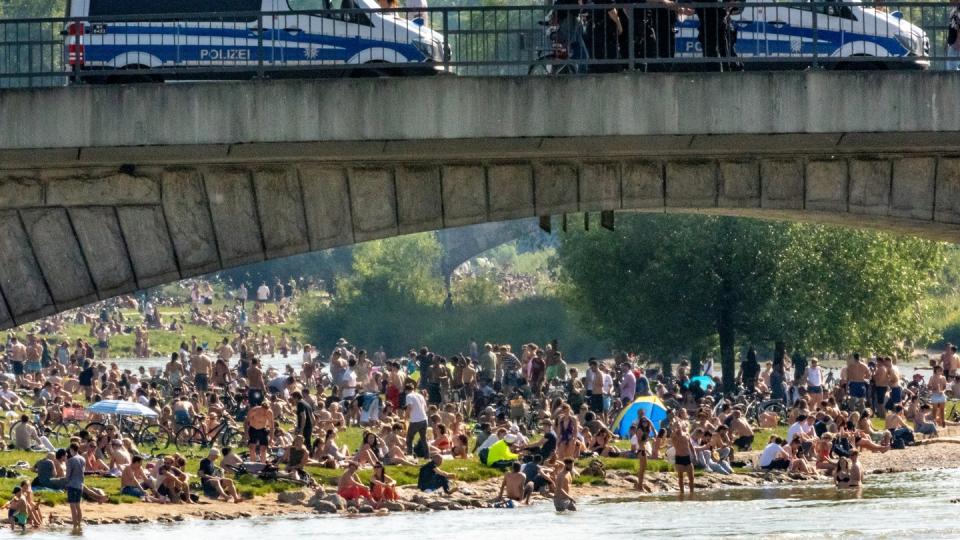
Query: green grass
[(164, 341)]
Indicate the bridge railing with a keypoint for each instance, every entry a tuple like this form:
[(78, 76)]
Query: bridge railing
[(477, 40)]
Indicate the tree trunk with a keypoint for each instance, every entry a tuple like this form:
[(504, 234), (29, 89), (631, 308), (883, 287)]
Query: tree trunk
[(666, 366), (779, 353), (696, 360), (727, 357)]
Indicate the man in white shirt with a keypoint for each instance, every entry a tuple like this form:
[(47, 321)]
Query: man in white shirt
[(242, 295), (263, 293), (416, 412), (803, 428), (774, 456)]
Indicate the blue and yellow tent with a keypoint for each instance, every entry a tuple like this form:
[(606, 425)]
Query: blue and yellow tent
[(652, 407)]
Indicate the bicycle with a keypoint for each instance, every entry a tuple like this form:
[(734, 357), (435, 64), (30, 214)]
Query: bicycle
[(225, 432), (555, 60)]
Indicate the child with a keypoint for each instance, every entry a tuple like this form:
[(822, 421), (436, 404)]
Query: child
[(17, 510)]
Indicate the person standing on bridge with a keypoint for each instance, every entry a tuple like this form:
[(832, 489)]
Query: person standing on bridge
[(570, 31), (953, 37)]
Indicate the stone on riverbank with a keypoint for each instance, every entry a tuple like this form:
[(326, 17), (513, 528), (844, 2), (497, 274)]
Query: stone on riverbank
[(325, 507), (291, 497)]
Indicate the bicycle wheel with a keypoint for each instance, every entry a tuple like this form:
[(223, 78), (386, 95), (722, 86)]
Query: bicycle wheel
[(153, 437), (542, 67), (95, 428), (64, 430), (188, 436), (231, 439), (778, 409)]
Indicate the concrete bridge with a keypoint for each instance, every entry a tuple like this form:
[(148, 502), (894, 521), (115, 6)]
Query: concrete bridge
[(104, 190)]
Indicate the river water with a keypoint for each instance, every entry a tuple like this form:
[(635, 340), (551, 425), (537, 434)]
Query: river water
[(906, 505), (270, 361)]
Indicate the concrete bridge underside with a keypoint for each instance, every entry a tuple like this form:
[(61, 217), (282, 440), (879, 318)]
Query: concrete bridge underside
[(107, 190)]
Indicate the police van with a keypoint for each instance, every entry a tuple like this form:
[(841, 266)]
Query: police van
[(841, 35), (195, 39)]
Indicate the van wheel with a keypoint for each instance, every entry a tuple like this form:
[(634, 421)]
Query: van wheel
[(861, 64), (120, 78), (374, 69)]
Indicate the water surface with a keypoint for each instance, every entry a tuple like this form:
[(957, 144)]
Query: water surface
[(907, 505)]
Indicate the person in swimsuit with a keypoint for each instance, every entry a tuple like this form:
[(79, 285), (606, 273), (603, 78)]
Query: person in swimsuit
[(562, 500), (938, 395), (682, 452), (644, 428), (566, 429), (260, 424)]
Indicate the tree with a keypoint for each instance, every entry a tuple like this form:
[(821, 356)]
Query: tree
[(666, 284), (393, 297)]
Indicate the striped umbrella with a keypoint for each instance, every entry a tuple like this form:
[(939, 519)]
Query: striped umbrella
[(121, 408)]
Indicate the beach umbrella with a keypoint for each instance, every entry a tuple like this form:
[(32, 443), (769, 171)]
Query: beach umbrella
[(652, 407), (121, 408)]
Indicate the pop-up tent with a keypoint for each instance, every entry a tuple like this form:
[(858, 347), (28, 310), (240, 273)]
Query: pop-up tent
[(652, 407)]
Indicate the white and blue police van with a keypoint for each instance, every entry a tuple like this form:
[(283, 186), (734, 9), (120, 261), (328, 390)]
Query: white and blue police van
[(199, 39), (841, 35)]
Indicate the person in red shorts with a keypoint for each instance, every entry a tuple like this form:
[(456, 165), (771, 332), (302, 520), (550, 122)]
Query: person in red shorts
[(349, 486), (382, 487)]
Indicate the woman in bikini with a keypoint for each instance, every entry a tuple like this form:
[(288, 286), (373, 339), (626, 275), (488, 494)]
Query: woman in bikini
[(566, 428), (644, 429)]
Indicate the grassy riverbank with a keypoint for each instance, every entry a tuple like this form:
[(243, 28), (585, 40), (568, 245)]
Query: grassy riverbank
[(467, 470)]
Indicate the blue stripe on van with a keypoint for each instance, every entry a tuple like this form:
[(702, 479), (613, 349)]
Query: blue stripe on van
[(276, 45)]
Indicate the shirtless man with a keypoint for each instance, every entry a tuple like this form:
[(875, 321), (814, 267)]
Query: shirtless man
[(260, 425), (201, 367), (938, 396), (683, 450), (880, 377), (516, 485), (469, 377), (562, 500), (225, 351), (949, 360), (256, 387), (741, 431), (893, 382), (34, 352), (857, 374), (18, 356)]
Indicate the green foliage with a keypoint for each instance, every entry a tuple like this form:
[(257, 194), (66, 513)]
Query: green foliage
[(394, 298), (406, 268), (666, 284), (476, 291), (401, 326)]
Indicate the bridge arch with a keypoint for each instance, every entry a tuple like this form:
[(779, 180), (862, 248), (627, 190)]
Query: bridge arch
[(84, 217)]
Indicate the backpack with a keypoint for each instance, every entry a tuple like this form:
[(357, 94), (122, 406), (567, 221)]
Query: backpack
[(841, 447)]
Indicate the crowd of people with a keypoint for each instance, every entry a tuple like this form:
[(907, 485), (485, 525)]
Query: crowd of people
[(528, 413)]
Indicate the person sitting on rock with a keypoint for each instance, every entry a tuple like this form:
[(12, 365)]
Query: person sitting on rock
[(431, 478), (349, 486), (382, 487)]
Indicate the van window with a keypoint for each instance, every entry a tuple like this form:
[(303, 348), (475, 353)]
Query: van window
[(322, 7), (309, 5), (842, 11), (110, 8)]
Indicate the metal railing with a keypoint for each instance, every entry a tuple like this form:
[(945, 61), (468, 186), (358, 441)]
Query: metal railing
[(481, 40)]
